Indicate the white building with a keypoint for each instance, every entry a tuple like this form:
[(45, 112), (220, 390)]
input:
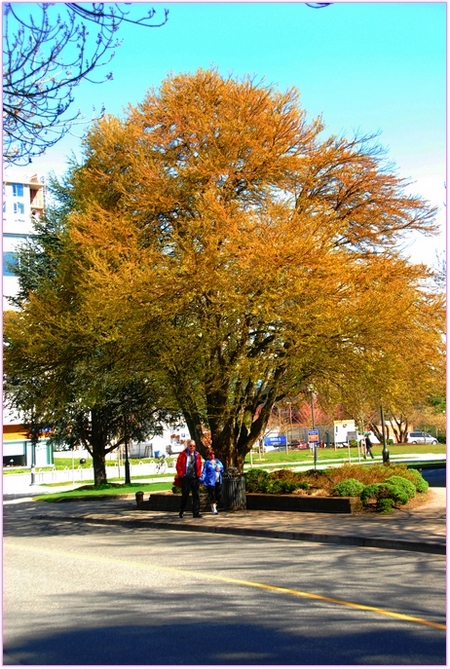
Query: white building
[(23, 200)]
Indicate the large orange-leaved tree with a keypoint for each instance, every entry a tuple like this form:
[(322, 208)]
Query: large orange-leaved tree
[(221, 242)]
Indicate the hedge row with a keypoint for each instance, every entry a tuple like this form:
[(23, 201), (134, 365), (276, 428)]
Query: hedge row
[(378, 486)]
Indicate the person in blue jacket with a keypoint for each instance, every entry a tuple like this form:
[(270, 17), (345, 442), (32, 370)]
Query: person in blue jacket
[(212, 479)]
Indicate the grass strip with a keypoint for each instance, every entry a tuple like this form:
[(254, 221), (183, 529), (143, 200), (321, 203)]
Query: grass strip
[(109, 489)]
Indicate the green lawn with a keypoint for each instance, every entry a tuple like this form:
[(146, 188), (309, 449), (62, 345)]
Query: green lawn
[(304, 456), (110, 490), (274, 458)]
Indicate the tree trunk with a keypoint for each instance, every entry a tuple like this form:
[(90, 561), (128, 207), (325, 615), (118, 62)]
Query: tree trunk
[(99, 448), (99, 468)]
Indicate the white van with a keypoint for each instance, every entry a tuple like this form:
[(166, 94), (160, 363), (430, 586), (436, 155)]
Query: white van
[(420, 438)]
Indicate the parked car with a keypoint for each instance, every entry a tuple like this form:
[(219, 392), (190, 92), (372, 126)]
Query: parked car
[(296, 444), (420, 438)]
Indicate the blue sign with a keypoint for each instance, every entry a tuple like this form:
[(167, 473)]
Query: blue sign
[(279, 440), (313, 437)]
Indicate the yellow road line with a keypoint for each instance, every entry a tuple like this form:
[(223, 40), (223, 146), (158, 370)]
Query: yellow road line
[(235, 581)]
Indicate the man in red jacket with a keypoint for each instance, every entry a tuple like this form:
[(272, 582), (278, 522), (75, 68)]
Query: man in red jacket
[(189, 470)]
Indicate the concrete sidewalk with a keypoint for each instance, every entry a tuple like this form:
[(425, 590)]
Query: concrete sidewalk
[(422, 529)]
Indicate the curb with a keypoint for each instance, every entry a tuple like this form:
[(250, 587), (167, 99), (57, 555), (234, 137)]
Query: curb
[(349, 540)]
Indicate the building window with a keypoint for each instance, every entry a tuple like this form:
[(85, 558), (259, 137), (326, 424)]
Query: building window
[(19, 208), (10, 263), (17, 190)]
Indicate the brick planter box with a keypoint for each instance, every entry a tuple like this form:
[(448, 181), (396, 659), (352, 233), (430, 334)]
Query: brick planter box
[(305, 503), (167, 501)]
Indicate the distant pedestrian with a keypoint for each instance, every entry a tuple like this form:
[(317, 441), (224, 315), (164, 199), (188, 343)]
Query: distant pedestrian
[(368, 445), (189, 471), (212, 479)]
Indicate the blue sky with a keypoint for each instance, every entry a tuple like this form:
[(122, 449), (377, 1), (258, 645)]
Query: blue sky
[(367, 67)]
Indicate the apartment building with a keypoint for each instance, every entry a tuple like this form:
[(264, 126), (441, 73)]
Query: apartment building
[(23, 200)]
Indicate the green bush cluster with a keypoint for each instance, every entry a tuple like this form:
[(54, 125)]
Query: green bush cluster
[(379, 488), (276, 486), (256, 480), (392, 491), (417, 479), (280, 482), (408, 487), (348, 488)]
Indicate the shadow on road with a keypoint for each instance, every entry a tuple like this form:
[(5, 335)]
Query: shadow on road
[(230, 643)]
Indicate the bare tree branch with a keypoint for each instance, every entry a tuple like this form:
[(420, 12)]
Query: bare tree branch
[(45, 56)]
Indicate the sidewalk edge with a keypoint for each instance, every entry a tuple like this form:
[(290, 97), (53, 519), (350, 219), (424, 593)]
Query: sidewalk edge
[(352, 540)]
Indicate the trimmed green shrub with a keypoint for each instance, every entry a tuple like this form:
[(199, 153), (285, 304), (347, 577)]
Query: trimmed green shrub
[(276, 486), (256, 480), (422, 485), (281, 482), (385, 505), (395, 492), (417, 479), (348, 488), (408, 487), (369, 493), (376, 492)]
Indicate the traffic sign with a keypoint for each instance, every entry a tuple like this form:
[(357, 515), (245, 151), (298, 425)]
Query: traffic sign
[(313, 437)]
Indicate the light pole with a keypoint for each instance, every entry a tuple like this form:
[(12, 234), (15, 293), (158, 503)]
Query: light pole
[(290, 426), (34, 434), (127, 462), (313, 426), (385, 452), (312, 410), (33, 462)]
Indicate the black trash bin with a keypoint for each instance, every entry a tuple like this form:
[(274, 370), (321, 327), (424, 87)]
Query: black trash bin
[(233, 490)]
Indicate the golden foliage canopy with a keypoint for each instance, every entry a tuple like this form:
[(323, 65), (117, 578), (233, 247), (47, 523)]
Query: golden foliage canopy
[(218, 238)]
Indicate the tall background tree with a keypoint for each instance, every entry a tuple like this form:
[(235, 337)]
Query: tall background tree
[(217, 241), (47, 51), (61, 371)]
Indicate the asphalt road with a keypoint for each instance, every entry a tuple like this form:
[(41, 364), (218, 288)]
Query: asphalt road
[(78, 594), (435, 477)]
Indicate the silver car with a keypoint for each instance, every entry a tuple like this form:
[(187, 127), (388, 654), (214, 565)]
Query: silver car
[(420, 438)]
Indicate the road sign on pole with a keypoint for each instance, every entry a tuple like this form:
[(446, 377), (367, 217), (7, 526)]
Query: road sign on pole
[(313, 441), (313, 438)]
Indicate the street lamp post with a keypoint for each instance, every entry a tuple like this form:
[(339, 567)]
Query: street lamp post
[(33, 463), (313, 427), (127, 466), (385, 452), (127, 462), (34, 434), (290, 426)]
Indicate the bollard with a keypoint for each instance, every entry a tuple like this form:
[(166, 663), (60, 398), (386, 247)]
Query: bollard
[(139, 499)]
